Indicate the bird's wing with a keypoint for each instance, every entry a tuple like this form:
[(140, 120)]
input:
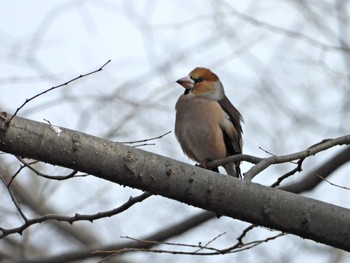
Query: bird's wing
[(232, 133)]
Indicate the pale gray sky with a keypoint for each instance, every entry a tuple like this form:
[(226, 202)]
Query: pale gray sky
[(279, 62)]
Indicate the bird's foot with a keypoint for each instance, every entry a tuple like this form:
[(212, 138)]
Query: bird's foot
[(205, 166)]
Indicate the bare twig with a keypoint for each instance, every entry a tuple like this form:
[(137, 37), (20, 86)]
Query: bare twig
[(266, 151), (316, 148), (53, 177), (309, 181), (143, 144), (333, 184), (244, 233), (55, 87), (235, 158), (290, 173), (15, 175), (239, 242), (170, 243), (149, 139), (14, 200), (209, 242), (199, 246), (255, 243), (263, 163), (75, 218), (212, 251)]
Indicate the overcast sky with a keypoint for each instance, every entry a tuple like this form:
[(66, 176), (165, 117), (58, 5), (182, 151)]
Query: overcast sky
[(281, 63)]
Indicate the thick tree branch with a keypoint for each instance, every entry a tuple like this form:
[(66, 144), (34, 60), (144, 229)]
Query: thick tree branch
[(136, 168), (307, 183)]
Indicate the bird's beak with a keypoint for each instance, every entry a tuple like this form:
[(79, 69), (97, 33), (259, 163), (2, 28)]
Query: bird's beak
[(186, 82)]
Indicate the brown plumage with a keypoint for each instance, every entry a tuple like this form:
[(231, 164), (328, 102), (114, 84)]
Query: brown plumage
[(208, 127)]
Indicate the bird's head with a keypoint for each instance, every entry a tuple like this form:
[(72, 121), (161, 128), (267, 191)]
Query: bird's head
[(204, 83)]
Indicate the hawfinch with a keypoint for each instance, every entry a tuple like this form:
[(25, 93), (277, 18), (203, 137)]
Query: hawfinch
[(208, 127)]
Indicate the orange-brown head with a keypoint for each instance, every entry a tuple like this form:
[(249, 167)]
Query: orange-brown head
[(204, 83)]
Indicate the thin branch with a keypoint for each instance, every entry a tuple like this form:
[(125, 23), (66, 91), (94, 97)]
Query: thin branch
[(199, 246), (143, 144), (239, 242), (255, 243), (263, 163), (309, 181), (76, 217), (166, 233), (56, 87), (152, 242), (272, 154), (209, 242), (235, 158), (266, 151), (316, 148), (288, 174), (53, 177), (246, 246), (149, 139), (15, 202), (244, 233), (333, 184), (78, 235), (15, 175)]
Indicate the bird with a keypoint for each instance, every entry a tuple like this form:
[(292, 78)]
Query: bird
[(207, 125)]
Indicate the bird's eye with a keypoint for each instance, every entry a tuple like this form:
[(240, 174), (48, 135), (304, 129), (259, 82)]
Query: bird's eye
[(199, 80)]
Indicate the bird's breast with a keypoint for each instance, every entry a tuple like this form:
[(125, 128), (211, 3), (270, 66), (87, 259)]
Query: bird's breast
[(198, 128)]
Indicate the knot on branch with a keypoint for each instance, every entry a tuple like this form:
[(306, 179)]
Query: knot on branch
[(130, 163), (4, 121), (168, 169), (266, 211), (305, 221), (76, 142)]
